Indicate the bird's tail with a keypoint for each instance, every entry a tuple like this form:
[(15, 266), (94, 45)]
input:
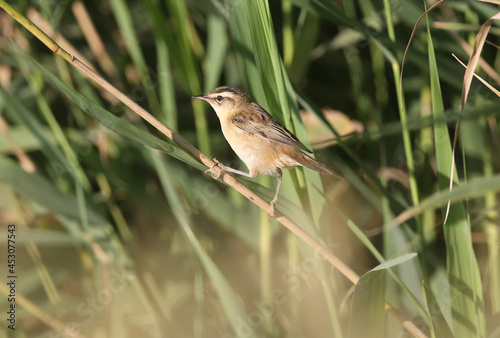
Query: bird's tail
[(312, 164)]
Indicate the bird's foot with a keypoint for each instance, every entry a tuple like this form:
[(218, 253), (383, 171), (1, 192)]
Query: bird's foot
[(216, 169), (272, 203)]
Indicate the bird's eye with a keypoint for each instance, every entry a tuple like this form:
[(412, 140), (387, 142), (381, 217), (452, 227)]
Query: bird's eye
[(219, 98)]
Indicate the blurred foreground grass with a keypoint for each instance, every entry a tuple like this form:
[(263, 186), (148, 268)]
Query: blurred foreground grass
[(115, 239)]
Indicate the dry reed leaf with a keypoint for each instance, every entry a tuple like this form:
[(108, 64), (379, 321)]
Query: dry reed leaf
[(483, 81), (482, 62), (476, 54)]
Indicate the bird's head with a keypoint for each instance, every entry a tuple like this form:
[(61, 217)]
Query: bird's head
[(225, 100)]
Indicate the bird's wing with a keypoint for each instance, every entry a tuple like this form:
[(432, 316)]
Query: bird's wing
[(261, 123)]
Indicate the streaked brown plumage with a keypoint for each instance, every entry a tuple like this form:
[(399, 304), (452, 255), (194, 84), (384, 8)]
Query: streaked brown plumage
[(259, 140)]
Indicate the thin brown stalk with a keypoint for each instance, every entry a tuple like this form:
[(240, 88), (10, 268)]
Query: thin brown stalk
[(408, 47), (93, 39), (60, 42), (37, 19)]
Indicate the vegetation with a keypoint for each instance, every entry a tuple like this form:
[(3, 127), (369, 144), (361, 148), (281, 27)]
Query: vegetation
[(120, 233)]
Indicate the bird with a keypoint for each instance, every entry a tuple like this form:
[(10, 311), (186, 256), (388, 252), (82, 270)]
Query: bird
[(259, 140)]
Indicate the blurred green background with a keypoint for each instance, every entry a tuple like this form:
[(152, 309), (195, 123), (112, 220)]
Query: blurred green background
[(119, 232)]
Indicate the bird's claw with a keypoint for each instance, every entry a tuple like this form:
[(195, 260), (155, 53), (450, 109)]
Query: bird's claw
[(213, 165), (219, 169), (272, 203)]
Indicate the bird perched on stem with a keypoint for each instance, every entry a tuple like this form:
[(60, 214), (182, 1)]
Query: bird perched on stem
[(259, 140)]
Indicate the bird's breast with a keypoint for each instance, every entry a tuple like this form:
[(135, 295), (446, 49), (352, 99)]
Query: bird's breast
[(261, 155)]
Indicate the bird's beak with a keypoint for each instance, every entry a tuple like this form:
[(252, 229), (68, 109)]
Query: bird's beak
[(201, 97)]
